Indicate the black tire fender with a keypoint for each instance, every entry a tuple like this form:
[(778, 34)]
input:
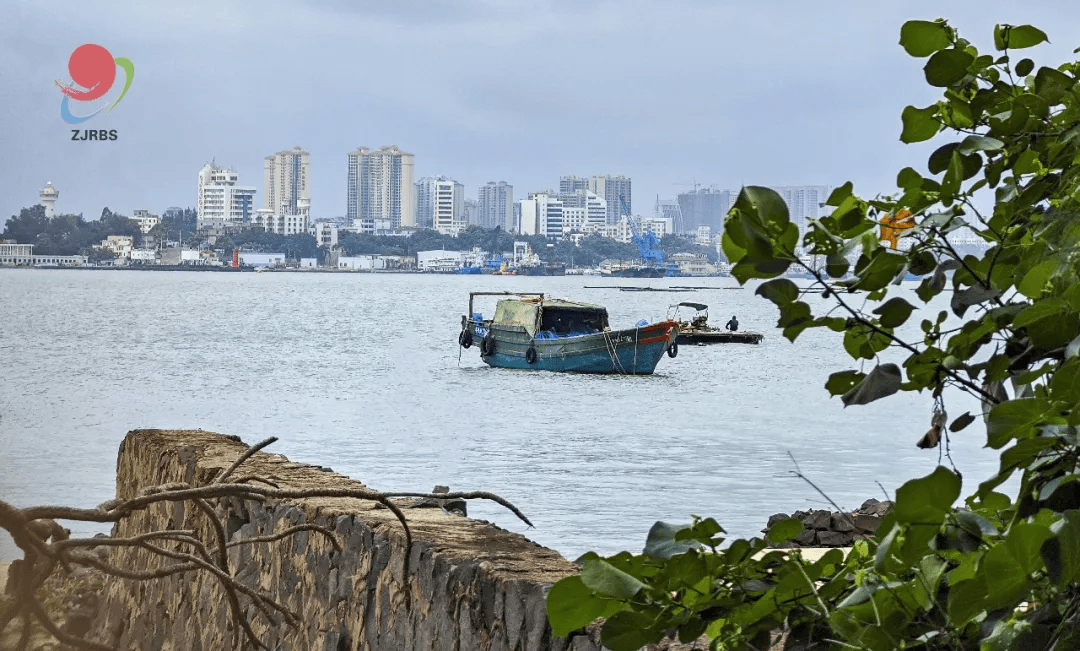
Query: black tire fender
[(673, 349), (487, 346), (530, 355), (465, 339)]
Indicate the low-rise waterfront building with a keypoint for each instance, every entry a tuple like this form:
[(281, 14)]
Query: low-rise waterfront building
[(251, 259), (15, 254), (325, 233), (147, 222), (121, 245)]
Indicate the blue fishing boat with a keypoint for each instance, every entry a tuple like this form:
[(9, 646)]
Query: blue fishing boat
[(534, 333)]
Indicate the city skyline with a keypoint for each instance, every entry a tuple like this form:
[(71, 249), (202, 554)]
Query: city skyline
[(712, 93)]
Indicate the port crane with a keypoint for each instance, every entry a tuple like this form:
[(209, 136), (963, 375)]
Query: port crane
[(647, 242)]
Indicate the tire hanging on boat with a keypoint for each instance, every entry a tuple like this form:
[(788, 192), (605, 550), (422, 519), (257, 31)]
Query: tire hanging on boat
[(673, 349), (487, 346), (465, 339), (530, 355)]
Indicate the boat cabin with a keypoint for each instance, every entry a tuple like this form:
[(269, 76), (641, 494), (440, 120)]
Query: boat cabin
[(551, 318)]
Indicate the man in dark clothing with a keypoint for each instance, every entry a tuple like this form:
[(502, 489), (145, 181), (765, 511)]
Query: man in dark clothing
[(733, 324)]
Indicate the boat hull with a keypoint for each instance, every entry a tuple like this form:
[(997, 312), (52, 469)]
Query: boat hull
[(697, 336), (639, 272), (633, 351)]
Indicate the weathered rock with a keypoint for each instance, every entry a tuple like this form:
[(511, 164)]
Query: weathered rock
[(807, 538), (776, 517), (834, 539), (866, 523), (470, 585), (842, 522), (819, 520)]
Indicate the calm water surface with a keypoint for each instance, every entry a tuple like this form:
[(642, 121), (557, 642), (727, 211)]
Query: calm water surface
[(362, 373)]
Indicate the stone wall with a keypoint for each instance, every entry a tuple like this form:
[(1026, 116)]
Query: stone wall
[(471, 586), (833, 529)]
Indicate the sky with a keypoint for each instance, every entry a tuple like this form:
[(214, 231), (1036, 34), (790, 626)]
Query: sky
[(669, 93)]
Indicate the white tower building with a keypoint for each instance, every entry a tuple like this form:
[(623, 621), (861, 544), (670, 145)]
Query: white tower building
[(49, 195)]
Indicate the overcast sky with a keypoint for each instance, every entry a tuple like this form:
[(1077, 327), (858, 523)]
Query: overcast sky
[(667, 93)]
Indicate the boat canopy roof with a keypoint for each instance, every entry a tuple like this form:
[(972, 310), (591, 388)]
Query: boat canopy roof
[(529, 312), (696, 306)]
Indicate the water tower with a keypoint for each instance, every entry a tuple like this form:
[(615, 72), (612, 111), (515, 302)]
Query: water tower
[(49, 195)]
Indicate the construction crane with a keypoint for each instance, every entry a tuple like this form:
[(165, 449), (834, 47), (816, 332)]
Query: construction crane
[(647, 243)]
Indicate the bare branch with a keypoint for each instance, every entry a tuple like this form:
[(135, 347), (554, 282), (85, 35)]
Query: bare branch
[(288, 532), (242, 458)]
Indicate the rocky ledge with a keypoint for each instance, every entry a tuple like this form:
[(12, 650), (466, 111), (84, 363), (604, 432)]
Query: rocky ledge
[(834, 529)]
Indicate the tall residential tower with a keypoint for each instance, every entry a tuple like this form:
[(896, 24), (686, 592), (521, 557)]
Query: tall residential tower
[(381, 194), (495, 205)]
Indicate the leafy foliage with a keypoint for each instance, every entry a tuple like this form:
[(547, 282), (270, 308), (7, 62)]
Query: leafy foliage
[(1004, 572), (66, 234)]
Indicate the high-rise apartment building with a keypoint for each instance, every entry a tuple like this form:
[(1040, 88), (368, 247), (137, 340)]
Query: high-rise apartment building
[(704, 207), (222, 203), (425, 201), (448, 206), (611, 189), (568, 185), (668, 209), (381, 196), (287, 183), (803, 201), (495, 205)]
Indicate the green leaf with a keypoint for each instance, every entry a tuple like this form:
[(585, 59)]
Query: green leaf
[(881, 382), (1015, 419), (769, 204), (894, 312), (837, 196), (572, 605), (961, 422), (629, 630), (921, 38), (661, 543), (780, 291), (926, 500), (1061, 553), (1018, 37), (1065, 385), (1051, 84), (785, 530), (1024, 67), (946, 67), (908, 178), (972, 144), (843, 381), (608, 580), (1034, 281), (1046, 309), (919, 124)]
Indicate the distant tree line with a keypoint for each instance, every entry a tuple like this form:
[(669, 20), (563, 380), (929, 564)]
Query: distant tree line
[(67, 234), (74, 235), (593, 249)]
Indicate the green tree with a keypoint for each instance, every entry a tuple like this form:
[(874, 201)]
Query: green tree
[(1004, 571)]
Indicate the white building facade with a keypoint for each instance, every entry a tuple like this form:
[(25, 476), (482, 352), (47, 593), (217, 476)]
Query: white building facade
[(147, 222), (222, 203), (542, 214), (448, 207)]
